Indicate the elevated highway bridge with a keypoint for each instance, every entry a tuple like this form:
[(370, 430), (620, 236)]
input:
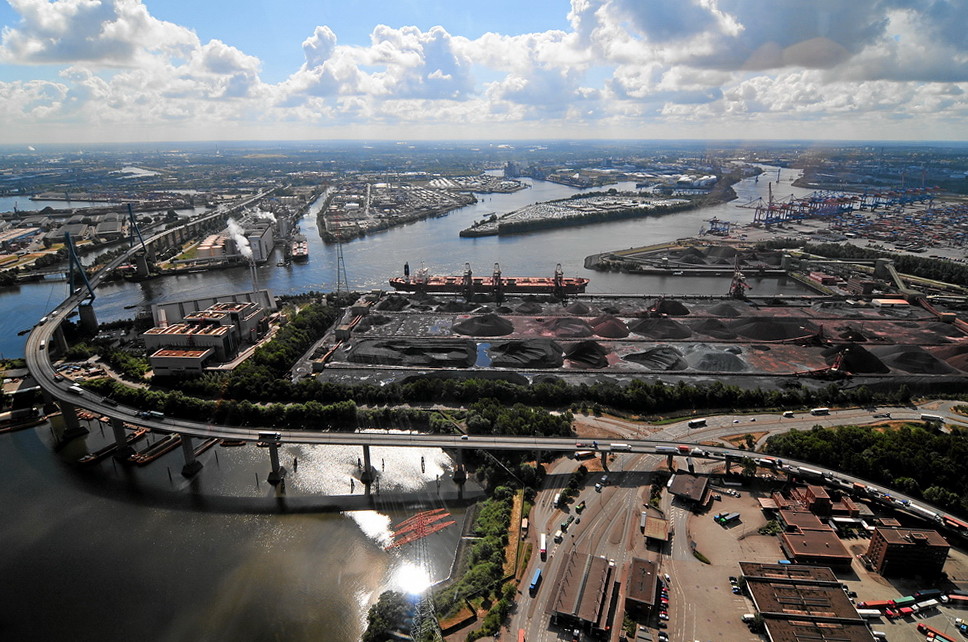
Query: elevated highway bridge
[(47, 336)]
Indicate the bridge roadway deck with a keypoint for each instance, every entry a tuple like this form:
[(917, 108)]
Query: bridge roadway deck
[(40, 366)]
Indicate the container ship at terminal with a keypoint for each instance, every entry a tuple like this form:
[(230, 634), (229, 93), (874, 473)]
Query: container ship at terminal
[(558, 284)]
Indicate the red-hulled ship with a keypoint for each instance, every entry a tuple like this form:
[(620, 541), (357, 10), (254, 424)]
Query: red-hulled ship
[(558, 285)]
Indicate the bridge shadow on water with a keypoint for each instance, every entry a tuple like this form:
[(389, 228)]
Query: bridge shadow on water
[(276, 499)]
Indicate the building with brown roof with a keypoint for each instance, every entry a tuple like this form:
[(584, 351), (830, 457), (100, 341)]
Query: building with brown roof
[(689, 487), (807, 540), (641, 586), (586, 593), (907, 552), (803, 603)]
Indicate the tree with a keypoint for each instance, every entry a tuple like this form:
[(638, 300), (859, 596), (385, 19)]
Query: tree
[(387, 615)]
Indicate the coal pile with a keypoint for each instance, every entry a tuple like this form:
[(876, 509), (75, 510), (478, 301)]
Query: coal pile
[(587, 354), (721, 253), (372, 320), (713, 328), (448, 353), (856, 360), (487, 325), (850, 333), (393, 303), (530, 353), (568, 327), (660, 329), (726, 309), (548, 379), (954, 356), (709, 359), (659, 358), (913, 359), (672, 308), (456, 306), (944, 329), (609, 327), (578, 308), (529, 307), (773, 329)]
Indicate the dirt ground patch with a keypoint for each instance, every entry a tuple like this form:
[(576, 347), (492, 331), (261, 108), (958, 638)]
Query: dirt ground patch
[(738, 440)]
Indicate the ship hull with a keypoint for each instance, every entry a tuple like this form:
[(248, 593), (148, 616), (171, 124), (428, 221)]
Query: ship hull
[(509, 285)]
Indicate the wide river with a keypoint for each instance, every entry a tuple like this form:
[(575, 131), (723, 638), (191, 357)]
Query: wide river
[(119, 553)]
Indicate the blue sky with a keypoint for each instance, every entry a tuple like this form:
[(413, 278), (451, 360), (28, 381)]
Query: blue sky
[(159, 70)]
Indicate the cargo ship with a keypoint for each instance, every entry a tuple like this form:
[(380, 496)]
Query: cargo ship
[(558, 284), (299, 250)]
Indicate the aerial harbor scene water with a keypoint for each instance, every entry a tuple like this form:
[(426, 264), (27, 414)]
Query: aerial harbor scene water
[(614, 321)]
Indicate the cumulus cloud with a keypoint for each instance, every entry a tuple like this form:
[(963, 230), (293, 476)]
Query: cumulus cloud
[(621, 64), (106, 32)]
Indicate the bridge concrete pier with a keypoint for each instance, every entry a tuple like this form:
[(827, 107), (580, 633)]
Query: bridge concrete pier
[(67, 426), (192, 465), (88, 318), (59, 340), (141, 265), (728, 461), (367, 475), (278, 473), (460, 474), (124, 450)]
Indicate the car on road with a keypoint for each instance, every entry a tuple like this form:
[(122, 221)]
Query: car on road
[(732, 579), (667, 578), (598, 488), (663, 616), (735, 421), (737, 590), (663, 636), (464, 437)]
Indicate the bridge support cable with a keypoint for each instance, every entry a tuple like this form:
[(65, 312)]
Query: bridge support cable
[(134, 230), (75, 266)]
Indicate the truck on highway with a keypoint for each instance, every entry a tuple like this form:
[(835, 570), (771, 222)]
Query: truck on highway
[(820, 411), (625, 447), (535, 582), (543, 546), (726, 518), (697, 423), (932, 419), (666, 449), (557, 501)]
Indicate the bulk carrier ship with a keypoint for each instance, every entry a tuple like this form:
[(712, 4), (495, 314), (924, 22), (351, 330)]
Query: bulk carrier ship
[(558, 285)]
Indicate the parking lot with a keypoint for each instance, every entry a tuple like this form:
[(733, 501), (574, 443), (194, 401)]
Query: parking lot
[(703, 606)]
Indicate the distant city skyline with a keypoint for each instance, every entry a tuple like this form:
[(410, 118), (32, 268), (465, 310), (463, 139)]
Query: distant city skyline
[(88, 71)]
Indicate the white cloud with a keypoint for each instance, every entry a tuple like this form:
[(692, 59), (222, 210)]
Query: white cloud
[(624, 66), (103, 32)]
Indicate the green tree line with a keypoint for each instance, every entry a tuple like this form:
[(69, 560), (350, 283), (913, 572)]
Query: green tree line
[(914, 460)]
